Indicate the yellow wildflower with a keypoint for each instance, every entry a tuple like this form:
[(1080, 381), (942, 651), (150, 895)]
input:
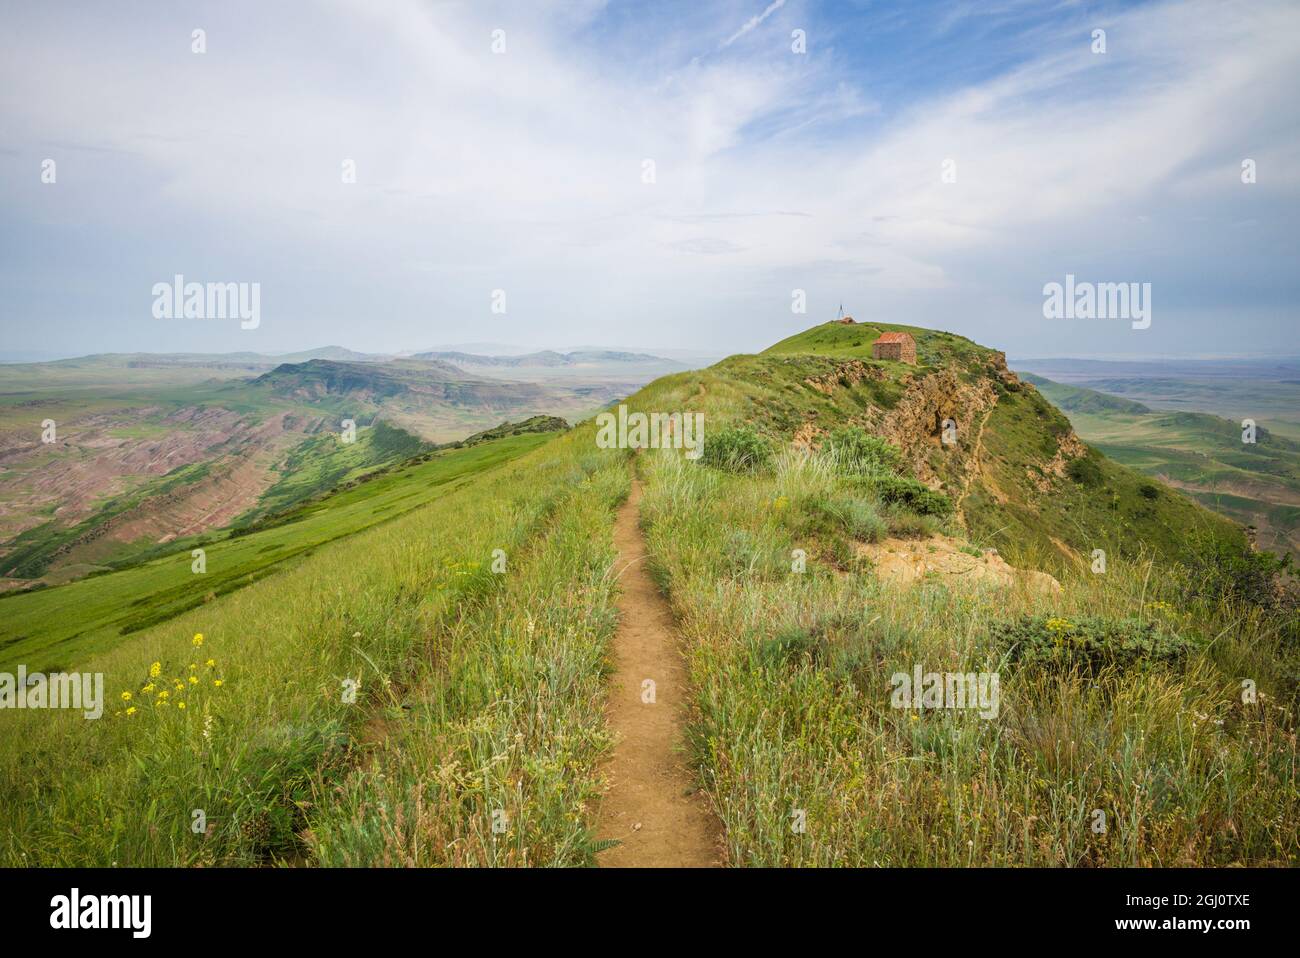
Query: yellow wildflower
[(210, 663), (155, 670), (147, 689), (194, 680), (217, 683), (198, 639), (131, 710), (126, 696), (180, 705)]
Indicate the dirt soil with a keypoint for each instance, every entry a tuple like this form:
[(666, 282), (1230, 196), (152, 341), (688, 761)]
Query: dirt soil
[(911, 560), (651, 805)]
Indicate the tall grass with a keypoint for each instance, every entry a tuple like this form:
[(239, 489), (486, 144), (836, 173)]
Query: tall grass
[(791, 673), (496, 761), (260, 754)]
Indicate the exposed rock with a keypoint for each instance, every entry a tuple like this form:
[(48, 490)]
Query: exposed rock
[(847, 374), (806, 436), (1068, 447), (1009, 379), (915, 424), (906, 561)]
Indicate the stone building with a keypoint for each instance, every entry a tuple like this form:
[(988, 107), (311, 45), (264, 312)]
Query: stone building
[(899, 346)]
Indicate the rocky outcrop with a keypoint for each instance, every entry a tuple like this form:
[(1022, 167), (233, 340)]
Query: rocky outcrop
[(951, 562), (845, 375), (1068, 447), (807, 437), (915, 424), (999, 371)]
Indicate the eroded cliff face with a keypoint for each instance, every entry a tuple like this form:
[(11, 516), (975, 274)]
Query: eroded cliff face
[(847, 374), (1068, 447), (916, 425), (961, 396)]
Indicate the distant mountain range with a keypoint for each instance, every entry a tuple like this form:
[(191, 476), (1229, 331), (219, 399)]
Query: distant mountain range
[(1065, 369), (550, 358), (478, 354)]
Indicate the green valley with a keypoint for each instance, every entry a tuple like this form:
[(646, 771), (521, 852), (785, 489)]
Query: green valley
[(1254, 483), (414, 669)]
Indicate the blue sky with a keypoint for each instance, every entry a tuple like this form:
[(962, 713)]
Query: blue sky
[(774, 171)]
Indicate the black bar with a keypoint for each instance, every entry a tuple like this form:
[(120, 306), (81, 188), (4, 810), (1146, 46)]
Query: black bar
[(366, 907)]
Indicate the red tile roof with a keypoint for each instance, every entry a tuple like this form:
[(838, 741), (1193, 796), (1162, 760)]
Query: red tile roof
[(894, 338)]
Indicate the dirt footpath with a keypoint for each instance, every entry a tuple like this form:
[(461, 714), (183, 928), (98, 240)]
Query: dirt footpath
[(651, 805)]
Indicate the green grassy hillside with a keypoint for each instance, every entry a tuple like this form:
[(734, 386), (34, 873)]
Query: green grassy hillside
[(1256, 484), (1022, 481), (791, 669), (473, 620), (58, 627)]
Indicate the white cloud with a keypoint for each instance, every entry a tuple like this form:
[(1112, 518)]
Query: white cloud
[(752, 23), (523, 171)]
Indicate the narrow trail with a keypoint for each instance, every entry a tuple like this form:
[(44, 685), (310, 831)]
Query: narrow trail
[(651, 805), (975, 467)]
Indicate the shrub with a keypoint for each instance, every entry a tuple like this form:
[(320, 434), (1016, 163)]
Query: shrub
[(1084, 471), (826, 515), (737, 449), (1218, 571), (904, 524), (1148, 491), (912, 494), (856, 452), (1090, 643)]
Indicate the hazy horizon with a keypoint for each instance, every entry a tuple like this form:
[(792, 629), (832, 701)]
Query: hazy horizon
[(381, 172)]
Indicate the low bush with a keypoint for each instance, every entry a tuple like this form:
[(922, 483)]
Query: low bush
[(737, 449), (1090, 643), (854, 516), (912, 494), (1084, 471), (905, 524), (1216, 572), (854, 451)]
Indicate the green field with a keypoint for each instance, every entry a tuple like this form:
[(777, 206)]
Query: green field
[(57, 627), (1255, 484), (469, 602)]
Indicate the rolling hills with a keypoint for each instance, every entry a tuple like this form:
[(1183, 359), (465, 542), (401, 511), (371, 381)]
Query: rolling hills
[(1256, 484), (432, 689), (147, 451)]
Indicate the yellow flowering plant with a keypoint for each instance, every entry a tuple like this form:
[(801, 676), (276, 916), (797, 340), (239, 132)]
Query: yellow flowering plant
[(179, 683)]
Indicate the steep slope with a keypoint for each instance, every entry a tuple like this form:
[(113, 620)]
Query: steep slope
[(52, 626), (1254, 483), (808, 596), (137, 464), (1020, 478)]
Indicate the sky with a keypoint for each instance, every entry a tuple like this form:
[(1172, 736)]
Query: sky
[(674, 175)]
